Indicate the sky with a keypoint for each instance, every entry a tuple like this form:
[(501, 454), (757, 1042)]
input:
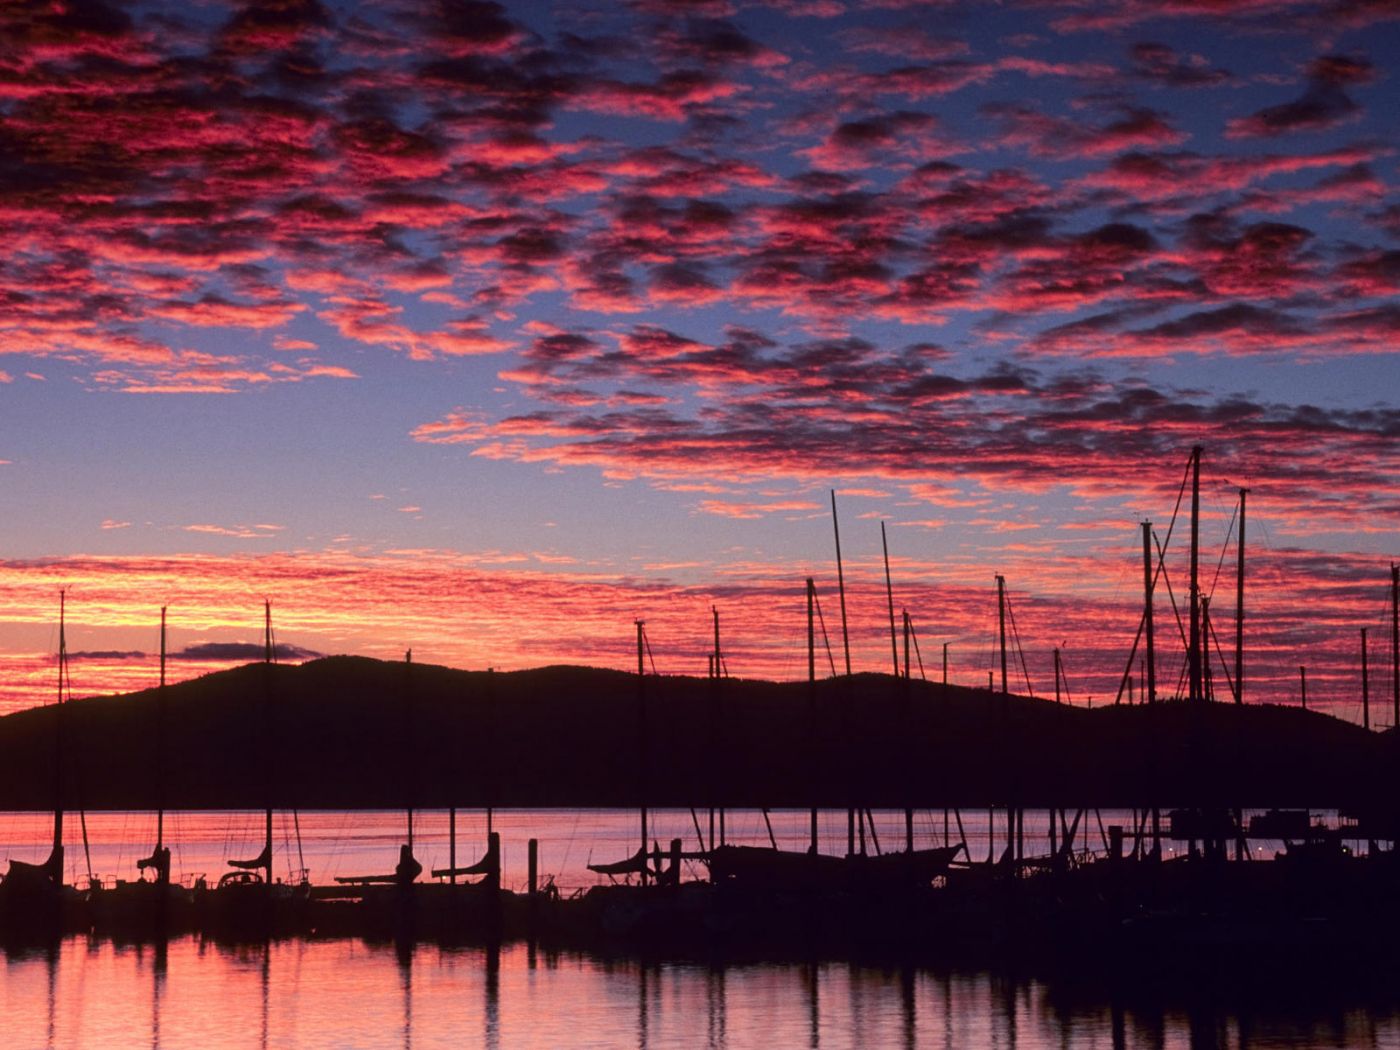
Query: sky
[(487, 329)]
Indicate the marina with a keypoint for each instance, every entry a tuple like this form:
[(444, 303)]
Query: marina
[(1264, 829)]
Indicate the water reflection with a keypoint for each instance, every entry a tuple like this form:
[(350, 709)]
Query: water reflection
[(814, 1007), (159, 961), (265, 973), (304, 995), (906, 1002), (492, 1013), (403, 952), (715, 1014), (51, 968)]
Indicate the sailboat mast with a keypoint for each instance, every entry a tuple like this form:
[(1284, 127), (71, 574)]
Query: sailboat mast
[(58, 722), (1001, 627), (408, 733), (1147, 590), (1207, 682), (812, 698), (841, 583), (642, 734), (908, 630), (1239, 609), (269, 657), (719, 659), (811, 631), (1194, 653), (889, 596), (1365, 685), (1395, 643), (160, 742)]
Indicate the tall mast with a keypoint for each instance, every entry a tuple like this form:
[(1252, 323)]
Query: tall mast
[(908, 630), (408, 734), (269, 658), (812, 700), (1207, 682), (58, 734), (1057, 688), (160, 742), (1395, 643), (1239, 609), (889, 596), (1365, 685), (811, 631), (1194, 649), (719, 659), (1001, 626), (1147, 590), (840, 583), (642, 734)]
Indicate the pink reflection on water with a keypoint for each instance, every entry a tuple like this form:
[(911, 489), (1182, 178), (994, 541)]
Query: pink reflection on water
[(309, 995)]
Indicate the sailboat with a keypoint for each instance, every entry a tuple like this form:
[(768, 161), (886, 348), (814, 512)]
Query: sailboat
[(395, 910), (755, 868), (33, 899), (395, 902), (150, 906), (247, 901), (159, 861)]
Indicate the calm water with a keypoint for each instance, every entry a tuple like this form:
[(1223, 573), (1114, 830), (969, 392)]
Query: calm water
[(300, 995)]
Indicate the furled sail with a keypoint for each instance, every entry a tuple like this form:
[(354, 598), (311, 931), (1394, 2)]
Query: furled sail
[(489, 864), (637, 864), (262, 860), (22, 873)]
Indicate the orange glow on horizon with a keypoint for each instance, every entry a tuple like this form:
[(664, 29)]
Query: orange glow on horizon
[(452, 609)]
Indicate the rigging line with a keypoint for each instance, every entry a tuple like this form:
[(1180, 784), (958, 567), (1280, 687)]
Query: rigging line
[(874, 835), (1161, 571), (1064, 678), (695, 819), (1132, 655), (87, 852), (646, 642), (1016, 636), (914, 637), (287, 846), (1181, 677), (66, 680), (1180, 493), (1224, 666), (1229, 535), (1166, 578), (830, 659), (296, 823)]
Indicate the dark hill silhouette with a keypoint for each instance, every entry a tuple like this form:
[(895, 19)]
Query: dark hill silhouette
[(355, 732)]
